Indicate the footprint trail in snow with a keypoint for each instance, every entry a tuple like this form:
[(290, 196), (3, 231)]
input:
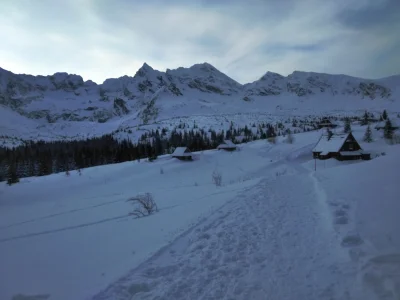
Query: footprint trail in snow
[(271, 242)]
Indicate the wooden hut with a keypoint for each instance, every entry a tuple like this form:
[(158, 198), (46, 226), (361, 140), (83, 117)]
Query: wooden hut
[(182, 153), (227, 145), (339, 146), (326, 123)]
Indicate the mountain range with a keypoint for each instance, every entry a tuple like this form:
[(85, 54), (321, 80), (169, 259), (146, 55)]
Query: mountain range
[(64, 105)]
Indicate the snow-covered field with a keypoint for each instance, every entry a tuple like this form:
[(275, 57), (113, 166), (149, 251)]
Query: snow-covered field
[(275, 229)]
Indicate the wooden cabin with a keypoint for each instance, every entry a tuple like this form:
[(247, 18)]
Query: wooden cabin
[(326, 123), (182, 153), (339, 146), (227, 145)]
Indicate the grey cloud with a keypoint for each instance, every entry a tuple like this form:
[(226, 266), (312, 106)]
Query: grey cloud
[(100, 38), (376, 14)]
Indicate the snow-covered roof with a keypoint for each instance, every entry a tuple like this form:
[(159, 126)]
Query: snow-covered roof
[(226, 144), (332, 145), (180, 151)]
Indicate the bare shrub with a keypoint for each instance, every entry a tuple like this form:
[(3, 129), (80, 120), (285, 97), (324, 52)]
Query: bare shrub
[(281, 173), (144, 205), (161, 171), (217, 178), (290, 138), (272, 140)]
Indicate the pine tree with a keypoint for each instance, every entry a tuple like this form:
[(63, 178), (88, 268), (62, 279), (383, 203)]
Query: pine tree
[(347, 125), (388, 130), (368, 135), (384, 115), (365, 119), (12, 176)]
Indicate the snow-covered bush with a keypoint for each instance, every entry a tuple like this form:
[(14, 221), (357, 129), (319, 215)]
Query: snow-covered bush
[(217, 178), (144, 205)]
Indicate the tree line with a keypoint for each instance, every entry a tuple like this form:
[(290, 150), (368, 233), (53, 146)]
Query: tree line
[(39, 158)]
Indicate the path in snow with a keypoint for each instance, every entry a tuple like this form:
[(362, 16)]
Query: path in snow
[(271, 242)]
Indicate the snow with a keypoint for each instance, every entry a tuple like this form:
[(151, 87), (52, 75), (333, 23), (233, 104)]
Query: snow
[(364, 199), (332, 145), (275, 227)]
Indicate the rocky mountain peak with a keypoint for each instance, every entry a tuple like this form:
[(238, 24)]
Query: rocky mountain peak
[(143, 70), (271, 75)]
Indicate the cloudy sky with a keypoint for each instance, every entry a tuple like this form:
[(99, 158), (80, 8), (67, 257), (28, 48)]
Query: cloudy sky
[(99, 39)]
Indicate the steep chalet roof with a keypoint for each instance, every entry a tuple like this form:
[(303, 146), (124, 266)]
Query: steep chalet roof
[(333, 145), (227, 144), (182, 151)]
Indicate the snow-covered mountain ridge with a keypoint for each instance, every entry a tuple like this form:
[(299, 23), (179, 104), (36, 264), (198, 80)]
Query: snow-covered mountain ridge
[(57, 102)]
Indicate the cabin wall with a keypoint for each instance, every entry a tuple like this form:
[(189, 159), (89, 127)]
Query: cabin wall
[(348, 157), (183, 157)]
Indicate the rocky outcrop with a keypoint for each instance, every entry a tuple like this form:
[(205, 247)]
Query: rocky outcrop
[(120, 107)]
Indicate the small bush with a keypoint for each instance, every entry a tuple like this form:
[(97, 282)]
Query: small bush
[(161, 171), (144, 205), (153, 158), (272, 140), (217, 178)]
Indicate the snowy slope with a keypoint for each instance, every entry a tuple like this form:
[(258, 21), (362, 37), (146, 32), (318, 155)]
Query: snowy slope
[(274, 228), (64, 105)]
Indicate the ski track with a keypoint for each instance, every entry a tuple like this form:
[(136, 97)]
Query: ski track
[(62, 213), (124, 216), (251, 248)]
